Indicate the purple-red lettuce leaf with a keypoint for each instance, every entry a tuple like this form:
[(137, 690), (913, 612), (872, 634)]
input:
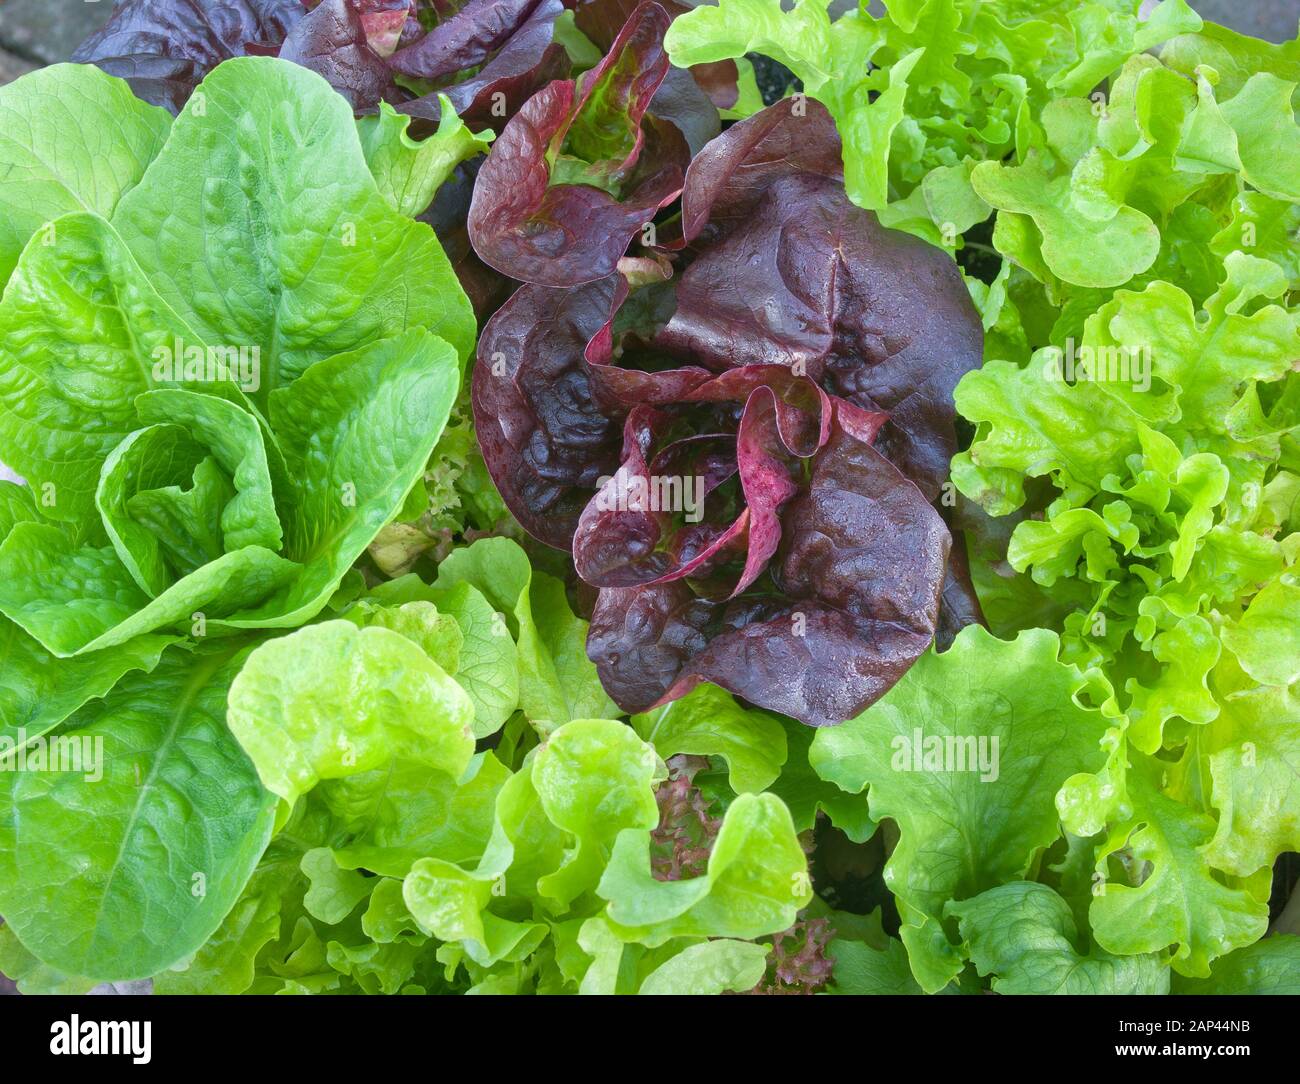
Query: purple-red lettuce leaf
[(164, 48), (852, 602), (581, 168), (466, 40), (524, 61), (331, 40), (790, 376), (790, 272), (544, 439)]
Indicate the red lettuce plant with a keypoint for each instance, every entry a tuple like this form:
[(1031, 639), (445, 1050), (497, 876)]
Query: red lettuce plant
[(788, 363)]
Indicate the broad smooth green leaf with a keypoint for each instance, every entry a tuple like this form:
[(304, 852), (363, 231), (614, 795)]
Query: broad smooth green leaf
[(79, 326), (40, 690), (356, 431), (79, 599), (71, 139), (314, 260), (863, 969), (33, 977), (226, 963), (165, 840)]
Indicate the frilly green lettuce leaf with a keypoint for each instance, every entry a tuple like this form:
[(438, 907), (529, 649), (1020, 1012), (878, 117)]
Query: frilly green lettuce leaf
[(982, 690), (409, 172), (1270, 966), (1179, 904), (755, 883), (1023, 935), (333, 700)]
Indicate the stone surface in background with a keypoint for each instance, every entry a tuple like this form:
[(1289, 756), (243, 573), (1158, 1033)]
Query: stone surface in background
[(49, 30), (11, 67)]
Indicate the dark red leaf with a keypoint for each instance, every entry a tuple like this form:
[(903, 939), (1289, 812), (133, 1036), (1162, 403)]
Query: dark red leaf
[(331, 41), (860, 568), (164, 48), (566, 232), (544, 438), (790, 272)]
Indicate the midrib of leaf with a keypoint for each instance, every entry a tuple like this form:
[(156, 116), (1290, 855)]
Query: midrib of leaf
[(188, 694)]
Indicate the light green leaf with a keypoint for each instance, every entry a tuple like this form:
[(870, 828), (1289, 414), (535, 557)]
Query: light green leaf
[(1266, 639), (557, 682), (394, 816), (488, 669), (167, 858), (436, 634), (71, 139), (40, 690), (356, 431), (1180, 902), (79, 326), (714, 967), (594, 778), (409, 172), (756, 882), (80, 599), (333, 700), (1268, 139), (314, 261), (1270, 966), (709, 722), (1023, 934), (334, 892), (33, 977), (983, 734), (1076, 248), (1252, 751)]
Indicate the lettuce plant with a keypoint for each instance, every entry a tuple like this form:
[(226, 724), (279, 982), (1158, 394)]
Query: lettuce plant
[(1042, 610), (202, 351), (819, 426)]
